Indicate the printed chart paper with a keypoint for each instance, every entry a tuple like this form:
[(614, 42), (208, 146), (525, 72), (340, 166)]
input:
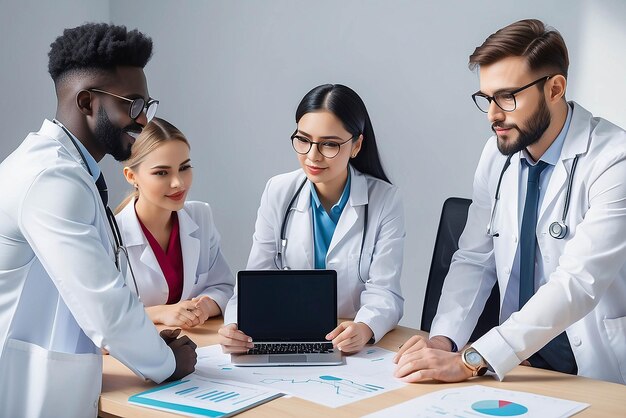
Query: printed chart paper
[(481, 401), (366, 374), (205, 397)]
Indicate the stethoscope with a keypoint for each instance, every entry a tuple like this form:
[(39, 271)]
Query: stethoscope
[(118, 247), (280, 260), (557, 229)]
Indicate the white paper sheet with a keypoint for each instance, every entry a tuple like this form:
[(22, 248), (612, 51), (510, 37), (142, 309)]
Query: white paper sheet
[(366, 374), (201, 396), (481, 401)]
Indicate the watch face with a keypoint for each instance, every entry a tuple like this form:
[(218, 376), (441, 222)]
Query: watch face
[(474, 358)]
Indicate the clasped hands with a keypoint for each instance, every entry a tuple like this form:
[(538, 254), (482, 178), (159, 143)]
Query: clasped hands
[(186, 313), (348, 337)]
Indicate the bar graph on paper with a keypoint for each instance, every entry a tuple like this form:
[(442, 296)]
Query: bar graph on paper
[(197, 395), (214, 395)]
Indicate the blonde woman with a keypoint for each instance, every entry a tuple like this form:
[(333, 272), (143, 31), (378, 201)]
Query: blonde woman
[(173, 245)]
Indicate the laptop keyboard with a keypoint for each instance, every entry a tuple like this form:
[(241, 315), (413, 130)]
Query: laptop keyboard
[(291, 348)]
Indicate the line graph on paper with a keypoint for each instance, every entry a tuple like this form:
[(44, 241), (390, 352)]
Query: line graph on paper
[(339, 386), (366, 374)]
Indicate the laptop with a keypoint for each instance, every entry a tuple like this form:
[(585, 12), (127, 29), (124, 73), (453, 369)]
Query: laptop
[(287, 313)]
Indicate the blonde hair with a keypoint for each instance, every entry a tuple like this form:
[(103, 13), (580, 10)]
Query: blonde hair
[(156, 132)]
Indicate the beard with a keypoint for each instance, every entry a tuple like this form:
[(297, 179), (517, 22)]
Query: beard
[(536, 125), (109, 136)]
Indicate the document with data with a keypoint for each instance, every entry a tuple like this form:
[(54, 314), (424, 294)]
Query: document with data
[(200, 396), (481, 401), (366, 374)]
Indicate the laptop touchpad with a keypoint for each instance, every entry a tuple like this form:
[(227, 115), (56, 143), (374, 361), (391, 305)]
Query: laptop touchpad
[(288, 358)]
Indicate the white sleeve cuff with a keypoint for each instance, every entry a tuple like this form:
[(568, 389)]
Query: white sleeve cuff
[(497, 353)]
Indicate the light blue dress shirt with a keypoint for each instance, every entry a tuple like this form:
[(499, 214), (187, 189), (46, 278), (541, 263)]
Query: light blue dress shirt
[(324, 223), (551, 156)]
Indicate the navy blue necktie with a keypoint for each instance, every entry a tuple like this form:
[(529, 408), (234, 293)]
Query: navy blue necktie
[(102, 189), (528, 237), (557, 354)]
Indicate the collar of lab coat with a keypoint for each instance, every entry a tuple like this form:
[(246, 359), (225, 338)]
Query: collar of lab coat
[(576, 142), (190, 245), (358, 197), (54, 131), (358, 192), (133, 235)]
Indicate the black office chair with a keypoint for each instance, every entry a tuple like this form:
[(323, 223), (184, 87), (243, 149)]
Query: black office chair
[(451, 225)]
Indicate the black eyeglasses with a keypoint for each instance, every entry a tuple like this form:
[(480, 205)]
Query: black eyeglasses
[(505, 100), (136, 105), (328, 149)]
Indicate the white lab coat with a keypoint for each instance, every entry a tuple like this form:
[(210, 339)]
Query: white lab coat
[(206, 271), (379, 302), (61, 296), (585, 292)]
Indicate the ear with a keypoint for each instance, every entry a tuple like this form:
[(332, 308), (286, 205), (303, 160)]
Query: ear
[(556, 88), (356, 146), (84, 102), (129, 175)]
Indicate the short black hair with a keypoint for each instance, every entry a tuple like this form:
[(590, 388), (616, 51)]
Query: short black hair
[(97, 46)]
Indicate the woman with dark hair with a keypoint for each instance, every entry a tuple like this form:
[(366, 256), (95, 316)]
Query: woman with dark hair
[(339, 211)]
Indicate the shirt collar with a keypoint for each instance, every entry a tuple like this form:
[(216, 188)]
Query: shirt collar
[(553, 153), (342, 200)]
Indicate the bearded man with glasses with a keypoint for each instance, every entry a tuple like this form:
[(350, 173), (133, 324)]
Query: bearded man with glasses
[(62, 297), (547, 225)]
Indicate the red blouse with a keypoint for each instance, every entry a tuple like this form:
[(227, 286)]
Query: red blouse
[(170, 261)]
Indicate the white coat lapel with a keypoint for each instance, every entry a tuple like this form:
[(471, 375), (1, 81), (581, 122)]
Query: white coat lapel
[(300, 232), (350, 214), (190, 247), (133, 237), (558, 181), (148, 259), (508, 218), (576, 142), (55, 131)]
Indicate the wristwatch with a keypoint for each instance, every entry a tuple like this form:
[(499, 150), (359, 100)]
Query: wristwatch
[(474, 361)]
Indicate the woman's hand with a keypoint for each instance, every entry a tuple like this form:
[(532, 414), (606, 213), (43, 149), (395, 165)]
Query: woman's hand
[(350, 336), (207, 306), (184, 314), (232, 340)]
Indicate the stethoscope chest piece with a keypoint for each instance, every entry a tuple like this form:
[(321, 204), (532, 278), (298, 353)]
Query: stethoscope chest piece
[(558, 230)]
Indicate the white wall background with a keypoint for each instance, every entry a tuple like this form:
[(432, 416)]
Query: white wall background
[(230, 74)]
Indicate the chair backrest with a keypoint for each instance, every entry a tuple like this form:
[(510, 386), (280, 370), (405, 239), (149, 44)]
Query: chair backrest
[(451, 225)]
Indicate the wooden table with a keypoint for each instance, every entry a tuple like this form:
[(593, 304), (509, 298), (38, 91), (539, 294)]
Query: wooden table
[(606, 399)]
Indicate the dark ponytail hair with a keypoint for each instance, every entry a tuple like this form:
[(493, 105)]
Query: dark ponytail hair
[(344, 103)]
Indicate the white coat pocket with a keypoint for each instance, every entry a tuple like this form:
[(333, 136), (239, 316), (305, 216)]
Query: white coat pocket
[(41, 383), (616, 332)]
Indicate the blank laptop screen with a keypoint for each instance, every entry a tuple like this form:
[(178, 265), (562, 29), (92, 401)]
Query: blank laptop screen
[(287, 305)]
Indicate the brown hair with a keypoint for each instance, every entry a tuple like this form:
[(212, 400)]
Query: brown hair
[(542, 46), (156, 132)]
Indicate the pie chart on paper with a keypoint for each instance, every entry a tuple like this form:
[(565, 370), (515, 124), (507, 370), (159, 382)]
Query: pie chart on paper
[(499, 408)]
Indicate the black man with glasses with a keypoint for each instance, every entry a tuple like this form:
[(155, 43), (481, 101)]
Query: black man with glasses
[(547, 225), (64, 295)]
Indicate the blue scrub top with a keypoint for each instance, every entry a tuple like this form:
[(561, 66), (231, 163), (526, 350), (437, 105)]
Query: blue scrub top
[(324, 223)]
